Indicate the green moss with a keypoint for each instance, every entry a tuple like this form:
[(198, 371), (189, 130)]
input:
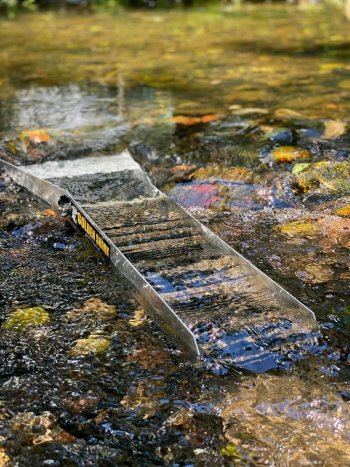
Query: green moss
[(23, 318), (231, 451), (326, 175)]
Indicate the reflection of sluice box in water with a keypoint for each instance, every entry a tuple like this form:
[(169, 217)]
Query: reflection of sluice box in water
[(201, 291)]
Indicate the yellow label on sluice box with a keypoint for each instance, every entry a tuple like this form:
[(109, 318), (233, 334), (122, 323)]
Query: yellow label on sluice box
[(80, 220)]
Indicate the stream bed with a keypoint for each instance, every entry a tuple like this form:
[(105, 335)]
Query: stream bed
[(242, 117)]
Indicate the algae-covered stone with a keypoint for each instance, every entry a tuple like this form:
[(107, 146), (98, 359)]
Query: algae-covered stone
[(285, 154), (21, 319), (231, 451), (297, 229), (344, 211), (300, 167), (94, 344), (94, 307), (324, 175)]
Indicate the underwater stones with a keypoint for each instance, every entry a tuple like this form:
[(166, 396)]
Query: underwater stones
[(280, 136), (30, 426), (22, 319), (189, 121), (287, 154), (93, 307), (180, 172), (335, 231), (299, 228), (224, 173), (318, 273), (344, 211), (144, 398), (180, 419), (31, 429), (286, 114), (154, 358), (77, 406), (5, 460), (333, 129), (94, 344), (139, 318)]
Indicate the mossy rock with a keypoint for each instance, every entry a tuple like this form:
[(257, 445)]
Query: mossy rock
[(21, 319), (231, 451), (94, 344), (297, 229), (326, 176), (344, 211)]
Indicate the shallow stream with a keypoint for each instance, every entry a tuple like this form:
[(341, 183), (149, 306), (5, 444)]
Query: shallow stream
[(241, 116)]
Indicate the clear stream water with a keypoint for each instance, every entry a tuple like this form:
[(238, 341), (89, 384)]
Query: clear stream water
[(202, 100)]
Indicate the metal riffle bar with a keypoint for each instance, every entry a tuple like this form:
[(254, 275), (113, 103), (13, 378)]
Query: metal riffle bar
[(201, 291)]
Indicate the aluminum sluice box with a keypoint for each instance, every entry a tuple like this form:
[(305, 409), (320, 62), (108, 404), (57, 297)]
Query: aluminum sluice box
[(205, 295)]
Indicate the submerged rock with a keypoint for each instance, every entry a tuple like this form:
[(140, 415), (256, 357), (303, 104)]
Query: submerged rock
[(324, 176), (297, 229), (344, 211), (94, 344), (287, 154), (23, 318), (93, 307)]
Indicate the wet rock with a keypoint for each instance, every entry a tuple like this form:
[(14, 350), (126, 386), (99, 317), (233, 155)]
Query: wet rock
[(224, 173), (139, 318), (242, 112), (5, 460), (335, 231), (318, 273), (222, 194), (297, 229), (344, 211), (287, 154), (333, 129), (94, 307), (189, 121), (144, 399), (181, 172), (59, 246), (154, 358), (94, 344), (77, 406), (22, 319), (286, 114), (323, 176), (29, 429), (281, 136), (25, 231), (182, 418)]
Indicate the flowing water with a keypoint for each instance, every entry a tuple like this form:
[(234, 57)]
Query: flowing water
[(242, 117)]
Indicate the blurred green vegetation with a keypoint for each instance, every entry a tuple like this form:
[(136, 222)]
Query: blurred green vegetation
[(10, 8)]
